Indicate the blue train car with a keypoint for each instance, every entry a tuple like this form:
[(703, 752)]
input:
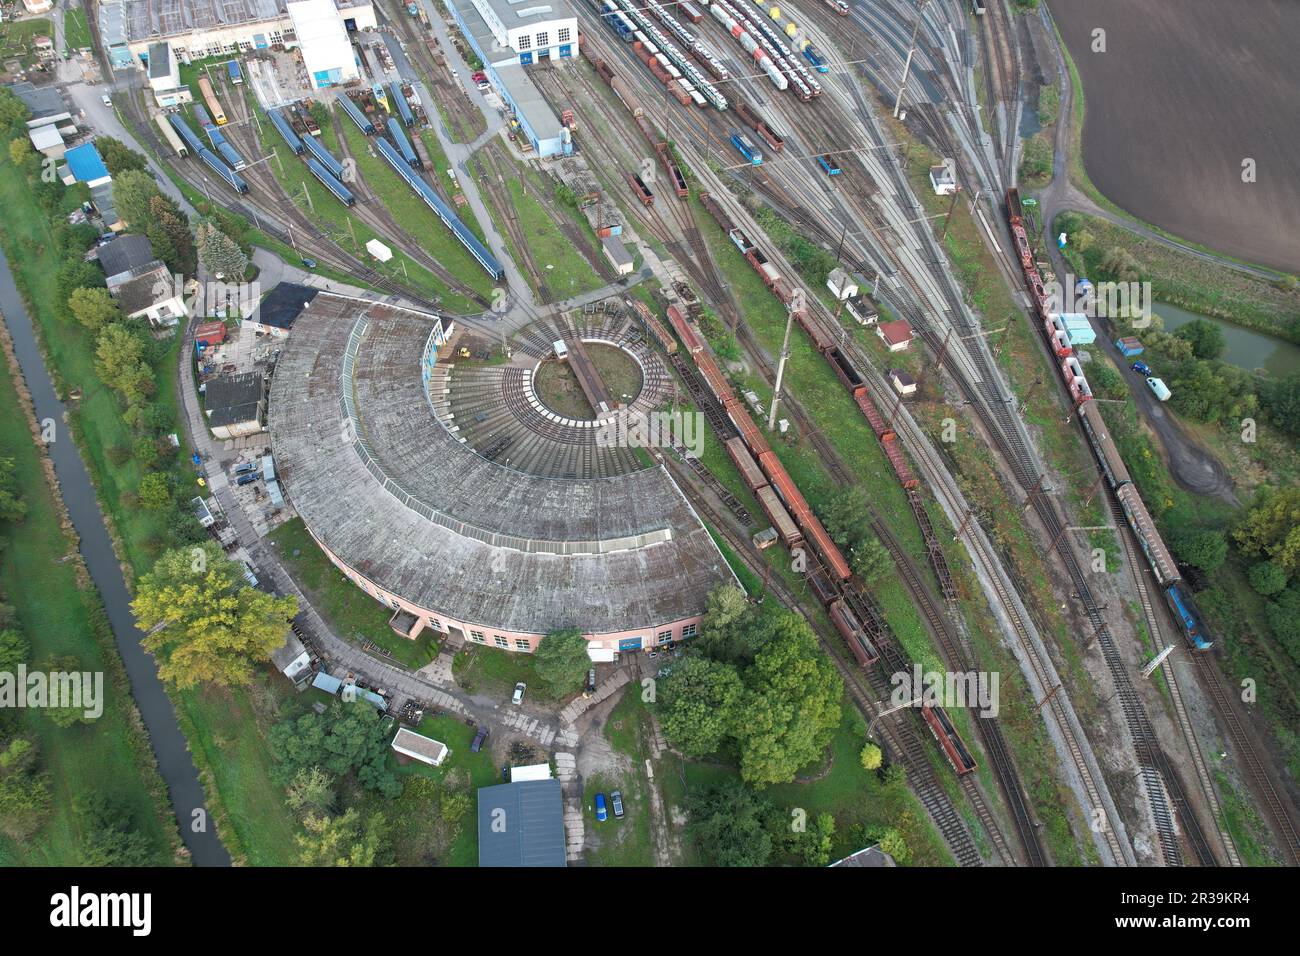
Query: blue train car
[(354, 111), (815, 58), (231, 155), (403, 144), (321, 153), (229, 176), (617, 19), (827, 162), (286, 132), (233, 71), (341, 192), (403, 107), (184, 132), (1189, 617), (444, 212), (746, 148)]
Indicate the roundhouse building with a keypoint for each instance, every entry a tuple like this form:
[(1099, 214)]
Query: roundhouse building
[(449, 539)]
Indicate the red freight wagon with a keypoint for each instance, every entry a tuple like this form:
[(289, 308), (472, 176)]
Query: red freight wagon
[(953, 747), (683, 330), (873, 416), (754, 439), (901, 469), (823, 342), (749, 470), (814, 532), (780, 518), (713, 376), (853, 634)]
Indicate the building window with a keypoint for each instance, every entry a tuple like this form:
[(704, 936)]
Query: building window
[(525, 43), (500, 641), (664, 637), (564, 35), (522, 645), (688, 630), (543, 40), (477, 637)]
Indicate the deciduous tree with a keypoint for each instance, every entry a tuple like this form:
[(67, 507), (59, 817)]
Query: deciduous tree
[(211, 626), (562, 660), (699, 701), (93, 307)]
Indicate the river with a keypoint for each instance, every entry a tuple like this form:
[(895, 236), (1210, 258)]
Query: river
[(169, 744), (1246, 349)]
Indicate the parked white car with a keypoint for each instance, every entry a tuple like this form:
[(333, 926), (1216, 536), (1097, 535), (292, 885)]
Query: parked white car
[(518, 697)]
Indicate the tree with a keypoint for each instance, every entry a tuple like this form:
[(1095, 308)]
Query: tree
[(1284, 618), (348, 737), (726, 604), (119, 359), (132, 192), (21, 152), (1205, 337), (815, 843), (1267, 578), (792, 706), (14, 650), (75, 273), (344, 840), (169, 234), (893, 842), (699, 703), (118, 157), (13, 111), (93, 308), (12, 506), (847, 517), (726, 822), (24, 790), (1204, 548), (870, 559), (872, 756), (212, 627), (1271, 528), (154, 492), (562, 660), (64, 716), (311, 789), (220, 254), (108, 835), (1282, 400)]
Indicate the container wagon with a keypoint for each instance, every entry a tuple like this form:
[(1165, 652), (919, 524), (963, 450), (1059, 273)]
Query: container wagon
[(210, 98), (689, 11), (950, 742), (444, 212), (341, 192), (169, 134), (323, 157), (642, 191), (746, 148), (779, 518), (291, 139), (233, 71), (350, 107), (827, 162), (853, 633)]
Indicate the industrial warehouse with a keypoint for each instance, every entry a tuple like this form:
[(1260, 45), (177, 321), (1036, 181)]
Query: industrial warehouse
[(432, 528)]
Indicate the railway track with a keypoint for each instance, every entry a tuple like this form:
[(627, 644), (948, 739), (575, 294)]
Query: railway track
[(901, 738)]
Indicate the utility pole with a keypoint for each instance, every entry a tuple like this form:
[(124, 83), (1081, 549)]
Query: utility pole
[(911, 52), (780, 369)]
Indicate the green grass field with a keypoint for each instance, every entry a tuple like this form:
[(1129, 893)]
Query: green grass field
[(349, 611), (76, 31), (60, 614), (235, 778)]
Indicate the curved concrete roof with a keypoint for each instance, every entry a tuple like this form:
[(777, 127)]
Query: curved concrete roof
[(389, 490)]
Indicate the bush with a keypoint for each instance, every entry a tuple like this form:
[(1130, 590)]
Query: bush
[(1267, 578)]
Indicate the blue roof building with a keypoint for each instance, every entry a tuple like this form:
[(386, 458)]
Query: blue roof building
[(521, 824), (86, 165)]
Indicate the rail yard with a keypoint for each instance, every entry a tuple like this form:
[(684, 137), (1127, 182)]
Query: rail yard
[(655, 326)]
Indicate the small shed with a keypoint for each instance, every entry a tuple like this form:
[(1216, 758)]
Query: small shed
[(617, 254), (943, 180), (896, 335), (903, 383), (415, 746), (210, 333)]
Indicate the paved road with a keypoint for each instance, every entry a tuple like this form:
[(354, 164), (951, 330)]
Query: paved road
[(1192, 466)]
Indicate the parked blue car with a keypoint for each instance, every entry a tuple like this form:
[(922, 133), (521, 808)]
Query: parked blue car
[(1142, 368), (601, 813)]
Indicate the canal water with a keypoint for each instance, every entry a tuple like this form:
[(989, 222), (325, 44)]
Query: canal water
[(169, 745), (1246, 349)]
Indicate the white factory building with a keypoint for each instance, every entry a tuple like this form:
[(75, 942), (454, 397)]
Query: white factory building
[(533, 29), (196, 29), (326, 49), (508, 37)]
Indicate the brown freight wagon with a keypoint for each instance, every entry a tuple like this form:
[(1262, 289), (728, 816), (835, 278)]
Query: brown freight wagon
[(778, 516), (748, 468)]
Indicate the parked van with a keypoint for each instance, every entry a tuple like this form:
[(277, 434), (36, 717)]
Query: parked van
[(1159, 388)]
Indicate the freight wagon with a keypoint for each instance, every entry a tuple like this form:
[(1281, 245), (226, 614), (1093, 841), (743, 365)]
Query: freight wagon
[(853, 633), (954, 748), (827, 162), (642, 191)]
